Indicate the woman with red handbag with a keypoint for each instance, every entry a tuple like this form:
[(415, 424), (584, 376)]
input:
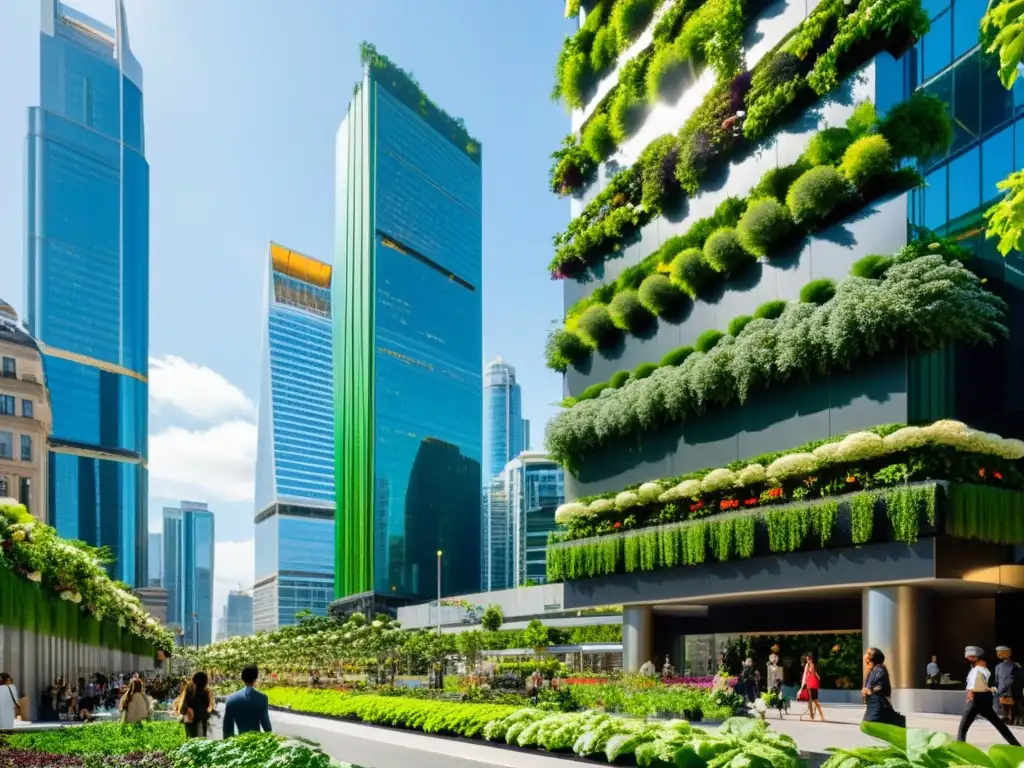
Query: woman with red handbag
[(809, 686)]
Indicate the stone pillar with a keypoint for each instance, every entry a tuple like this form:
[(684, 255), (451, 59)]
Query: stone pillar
[(637, 637), (896, 620)]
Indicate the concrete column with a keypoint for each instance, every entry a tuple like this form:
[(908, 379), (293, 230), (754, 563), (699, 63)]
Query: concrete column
[(897, 621), (637, 637)]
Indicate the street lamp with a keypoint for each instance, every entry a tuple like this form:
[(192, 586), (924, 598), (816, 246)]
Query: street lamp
[(439, 555)]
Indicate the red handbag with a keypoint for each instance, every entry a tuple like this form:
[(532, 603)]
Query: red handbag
[(803, 695)]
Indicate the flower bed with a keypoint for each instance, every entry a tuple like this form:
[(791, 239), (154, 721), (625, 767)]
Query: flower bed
[(57, 587)]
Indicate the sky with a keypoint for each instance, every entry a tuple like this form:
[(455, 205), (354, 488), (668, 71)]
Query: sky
[(243, 99)]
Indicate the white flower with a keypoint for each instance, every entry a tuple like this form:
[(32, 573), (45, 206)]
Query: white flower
[(76, 598), (567, 512), (18, 535), (906, 438), (826, 453), (35, 576), (718, 480), (649, 491), (626, 500), (601, 506), (860, 446), (377, 624), (1012, 449), (687, 489), (752, 474), (65, 595), (793, 464)]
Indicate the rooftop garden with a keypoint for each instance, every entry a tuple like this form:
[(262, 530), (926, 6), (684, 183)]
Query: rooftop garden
[(60, 588)]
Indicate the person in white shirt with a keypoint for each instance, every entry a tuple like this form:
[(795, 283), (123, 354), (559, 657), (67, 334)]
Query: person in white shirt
[(980, 700), (8, 702), (648, 669)]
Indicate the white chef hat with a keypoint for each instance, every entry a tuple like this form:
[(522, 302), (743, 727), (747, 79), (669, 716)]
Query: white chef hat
[(973, 650)]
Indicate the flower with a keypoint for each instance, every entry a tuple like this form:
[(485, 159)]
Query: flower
[(649, 491), (751, 501), (76, 598), (626, 499), (774, 492), (981, 472), (851, 479), (793, 464), (600, 506), (35, 576), (65, 595), (718, 480), (752, 474), (835, 648), (617, 525), (997, 475), (18, 535)]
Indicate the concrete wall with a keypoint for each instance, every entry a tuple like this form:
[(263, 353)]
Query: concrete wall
[(35, 661), (521, 602)]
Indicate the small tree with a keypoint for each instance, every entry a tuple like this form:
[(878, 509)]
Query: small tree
[(469, 645), (493, 618), (536, 634)]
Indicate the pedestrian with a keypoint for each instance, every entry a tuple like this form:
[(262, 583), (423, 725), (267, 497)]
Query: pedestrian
[(10, 709), (980, 701), (811, 683), (749, 677), (877, 690), (1005, 678), (932, 671), (247, 710), (195, 705), (136, 706)]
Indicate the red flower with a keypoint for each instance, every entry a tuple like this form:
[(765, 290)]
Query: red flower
[(851, 479), (997, 475), (981, 472), (700, 505), (617, 525), (694, 507), (751, 502), (775, 493)]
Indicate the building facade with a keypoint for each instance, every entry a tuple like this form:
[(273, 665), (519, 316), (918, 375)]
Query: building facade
[(408, 358), (156, 559), (87, 279), (189, 571), (295, 444), (25, 419), (238, 615), (654, 538)]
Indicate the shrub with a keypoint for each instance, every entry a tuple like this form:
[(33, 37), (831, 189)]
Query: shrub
[(737, 324), (667, 59), (628, 313), (816, 195), (863, 119), (618, 379), (724, 253), (659, 296), (691, 273), (771, 309), (603, 50), (597, 328), (629, 17), (919, 127), (658, 170), (818, 291), (827, 146), (766, 224), (873, 266), (644, 370), (574, 77), (593, 391), (628, 99), (597, 138), (777, 70), (777, 182), (563, 349), (677, 356), (729, 211), (708, 340), (867, 159)]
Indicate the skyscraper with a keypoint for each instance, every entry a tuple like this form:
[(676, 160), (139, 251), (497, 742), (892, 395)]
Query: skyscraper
[(156, 559), (295, 444), (408, 343), (238, 614), (87, 279), (188, 570)]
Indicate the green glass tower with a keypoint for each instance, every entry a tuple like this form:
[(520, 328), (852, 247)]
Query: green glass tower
[(407, 346)]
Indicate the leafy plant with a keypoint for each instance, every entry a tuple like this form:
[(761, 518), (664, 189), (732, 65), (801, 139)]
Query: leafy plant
[(659, 296), (1006, 218), (819, 291), (919, 127), (103, 739), (873, 266), (777, 181), (827, 146), (658, 163), (1002, 33), (563, 349), (737, 324), (815, 195), (724, 253), (866, 160), (618, 379), (493, 618), (765, 226), (603, 50), (708, 340), (677, 356), (917, 748), (691, 273), (571, 167), (771, 309), (628, 312), (629, 17), (643, 370), (597, 139), (251, 750), (597, 328)]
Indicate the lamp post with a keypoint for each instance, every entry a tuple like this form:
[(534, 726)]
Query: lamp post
[(439, 556)]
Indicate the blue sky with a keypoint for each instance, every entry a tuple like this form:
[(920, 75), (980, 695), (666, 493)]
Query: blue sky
[(242, 102)]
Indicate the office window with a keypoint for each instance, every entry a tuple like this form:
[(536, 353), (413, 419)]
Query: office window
[(937, 46), (25, 492), (10, 367), (996, 163), (6, 405), (26, 408), (935, 199), (966, 20), (26, 447), (6, 445), (964, 184)]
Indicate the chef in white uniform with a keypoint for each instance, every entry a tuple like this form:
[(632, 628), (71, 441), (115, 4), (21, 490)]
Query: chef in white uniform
[(8, 701), (980, 699)]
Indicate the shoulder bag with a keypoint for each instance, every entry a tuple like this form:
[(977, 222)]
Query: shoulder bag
[(15, 702)]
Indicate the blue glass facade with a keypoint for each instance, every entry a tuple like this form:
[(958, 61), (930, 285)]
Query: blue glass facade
[(87, 279), (295, 445), (188, 540), (988, 145)]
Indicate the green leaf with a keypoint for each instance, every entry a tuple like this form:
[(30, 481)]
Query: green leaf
[(1005, 756), (887, 733), (970, 754)]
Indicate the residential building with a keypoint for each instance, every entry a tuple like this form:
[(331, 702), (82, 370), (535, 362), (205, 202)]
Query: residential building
[(238, 618), (87, 279), (407, 339), (522, 500), (156, 559), (189, 570), (828, 561), (25, 418), (295, 443)]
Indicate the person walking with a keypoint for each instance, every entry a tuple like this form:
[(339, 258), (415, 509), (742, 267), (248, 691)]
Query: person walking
[(980, 700), (195, 705), (877, 690), (136, 706), (10, 709), (1005, 678), (749, 677), (247, 710), (811, 683)]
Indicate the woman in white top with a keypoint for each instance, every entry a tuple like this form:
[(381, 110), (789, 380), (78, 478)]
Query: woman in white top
[(980, 699), (8, 702), (136, 706)]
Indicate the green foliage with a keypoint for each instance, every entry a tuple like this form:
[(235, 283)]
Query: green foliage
[(493, 618), (251, 750), (815, 195), (690, 273), (919, 127), (866, 160), (776, 182), (863, 120), (572, 165), (677, 356), (603, 50), (659, 296), (628, 312), (597, 139), (618, 379), (827, 146), (644, 370), (917, 748), (1002, 32), (708, 340), (730, 211), (985, 513), (103, 739), (536, 634), (1006, 218), (594, 390), (713, 34), (765, 226), (628, 98), (771, 309), (563, 349), (724, 253), (641, 697), (818, 291), (665, 62), (657, 164), (873, 266), (597, 328), (737, 324), (629, 17)]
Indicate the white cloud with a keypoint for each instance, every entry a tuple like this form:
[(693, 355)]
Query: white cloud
[(214, 464), (196, 390), (233, 568)]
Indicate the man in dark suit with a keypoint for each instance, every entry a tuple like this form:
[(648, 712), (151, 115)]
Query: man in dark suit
[(247, 710)]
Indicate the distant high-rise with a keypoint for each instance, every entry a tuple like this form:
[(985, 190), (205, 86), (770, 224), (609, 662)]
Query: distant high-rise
[(87, 279), (238, 614), (188, 570), (407, 345), (156, 559), (295, 444), (526, 435)]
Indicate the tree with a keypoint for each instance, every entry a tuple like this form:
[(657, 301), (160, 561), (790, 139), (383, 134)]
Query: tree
[(493, 618), (536, 634), (469, 645)]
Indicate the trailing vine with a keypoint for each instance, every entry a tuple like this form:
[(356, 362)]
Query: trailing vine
[(862, 516)]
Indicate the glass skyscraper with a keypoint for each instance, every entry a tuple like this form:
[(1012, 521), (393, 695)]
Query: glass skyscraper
[(87, 279), (408, 340), (188, 570), (156, 559), (295, 444), (238, 615)]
